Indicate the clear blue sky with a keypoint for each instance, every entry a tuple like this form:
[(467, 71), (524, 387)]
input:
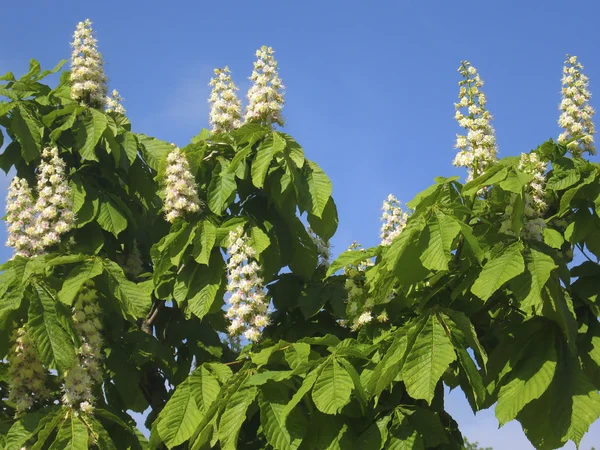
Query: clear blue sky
[(370, 87)]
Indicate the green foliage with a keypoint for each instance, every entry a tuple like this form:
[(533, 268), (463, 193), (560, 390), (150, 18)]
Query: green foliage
[(513, 322)]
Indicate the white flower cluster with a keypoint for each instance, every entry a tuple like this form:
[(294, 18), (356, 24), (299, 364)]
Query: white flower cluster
[(114, 102), (362, 320), (133, 263), (361, 266), (394, 220), (226, 110), (27, 376), (323, 248), (477, 150), (79, 379), (181, 193), (88, 81), (576, 112), (31, 229), (248, 306), (265, 96), (535, 202)]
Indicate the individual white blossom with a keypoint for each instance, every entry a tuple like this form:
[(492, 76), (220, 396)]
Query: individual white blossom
[(323, 248), (477, 149), (26, 374), (114, 102), (248, 310), (535, 197), (576, 113), (383, 317), (20, 216), (226, 109), (265, 97), (88, 80), (80, 379), (393, 218), (181, 192)]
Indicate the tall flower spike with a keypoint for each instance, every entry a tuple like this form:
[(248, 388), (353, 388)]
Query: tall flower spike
[(226, 110), (323, 248), (79, 380), (394, 220), (114, 102), (27, 376), (88, 81), (265, 97), (20, 217), (535, 202), (181, 193), (576, 113), (477, 150), (54, 206), (248, 307)]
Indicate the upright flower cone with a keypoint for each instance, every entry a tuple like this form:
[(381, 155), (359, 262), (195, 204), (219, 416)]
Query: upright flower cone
[(26, 374), (576, 113), (20, 217), (265, 97), (323, 248), (535, 201), (477, 150), (54, 205), (248, 306), (88, 80), (114, 102), (226, 109), (181, 193), (394, 220)]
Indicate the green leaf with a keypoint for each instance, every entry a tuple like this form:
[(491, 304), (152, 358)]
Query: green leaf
[(180, 416), (206, 241), (319, 187), (72, 435), (234, 416), (77, 277), (539, 267), (135, 299), (563, 180), (529, 380), (265, 153), (498, 271), (333, 387), (553, 238), (67, 124), (110, 218), (390, 365), (281, 431), (326, 225), (428, 358), (28, 130), (442, 231), (94, 124), (130, 145), (29, 425), (204, 387), (221, 188), (53, 343), (199, 285), (351, 257), (153, 150)]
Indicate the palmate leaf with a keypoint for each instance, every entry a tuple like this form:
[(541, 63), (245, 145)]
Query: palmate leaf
[(498, 271), (351, 257), (442, 230), (319, 188), (110, 217), (94, 124), (234, 416), (204, 386), (53, 343), (428, 358), (72, 435), (29, 131), (77, 277), (530, 284), (529, 379), (282, 431), (333, 387), (265, 153), (29, 425), (390, 366), (180, 417), (221, 188)]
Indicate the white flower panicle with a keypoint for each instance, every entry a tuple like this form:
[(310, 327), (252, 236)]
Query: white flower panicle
[(265, 96), (226, 110), (393, 218), (477, 150), (323, 248), (114, 102), (27, 376), (576, 113), (20, 216), (34, 227), (133, 263), (181, 192), (248, 306), (79, 379), (362, 320), (88, 81), (535, 197)]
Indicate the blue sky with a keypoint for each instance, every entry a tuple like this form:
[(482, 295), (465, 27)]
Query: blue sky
[(370, 87)]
